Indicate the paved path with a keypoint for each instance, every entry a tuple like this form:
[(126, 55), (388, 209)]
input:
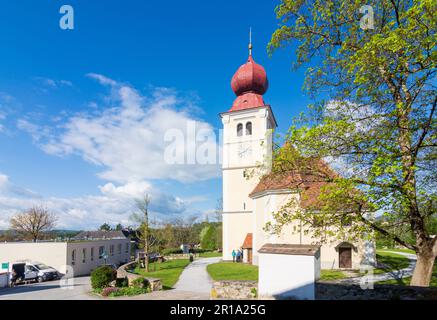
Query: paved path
[(50, 290), (395, 274), (195, 278)]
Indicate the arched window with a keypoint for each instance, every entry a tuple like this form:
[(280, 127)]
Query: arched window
[(248, 128), (239, 129)]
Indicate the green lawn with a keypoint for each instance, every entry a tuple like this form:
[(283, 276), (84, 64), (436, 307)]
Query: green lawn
[(398, 250), (406, 281), (210, 254), (233, 271), (331, 275), (168, 271), (392, 261)]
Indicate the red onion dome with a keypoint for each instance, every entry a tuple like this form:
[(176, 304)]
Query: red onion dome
[(250, 77), (249, 84)]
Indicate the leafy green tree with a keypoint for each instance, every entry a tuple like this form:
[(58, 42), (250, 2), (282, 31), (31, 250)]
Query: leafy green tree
[(376, 124), (105, 227), (208, 237)]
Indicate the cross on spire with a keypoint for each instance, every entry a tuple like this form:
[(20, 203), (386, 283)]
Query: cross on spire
[(250, 41)]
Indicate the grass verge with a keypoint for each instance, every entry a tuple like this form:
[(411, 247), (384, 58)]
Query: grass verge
[(232, 271), (210, 254), (168, 271), (331, 275)]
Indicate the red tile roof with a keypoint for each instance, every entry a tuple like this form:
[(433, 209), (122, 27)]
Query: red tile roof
[(247, 244), (309, 181)]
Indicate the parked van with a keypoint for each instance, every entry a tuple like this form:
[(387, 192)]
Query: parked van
[(32, 271)]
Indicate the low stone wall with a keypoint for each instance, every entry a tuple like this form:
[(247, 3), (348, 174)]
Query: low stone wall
[(334, 291), (248, 290), (125, 271), (235, 290), (180, 256)]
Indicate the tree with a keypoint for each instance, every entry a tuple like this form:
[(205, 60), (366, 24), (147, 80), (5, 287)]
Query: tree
[(33, 222), (105, 227), (142, 217), (208, 237), (118, 227), (376, 125)]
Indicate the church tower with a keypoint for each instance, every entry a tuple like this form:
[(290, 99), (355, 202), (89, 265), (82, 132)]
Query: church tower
[(247, 145)]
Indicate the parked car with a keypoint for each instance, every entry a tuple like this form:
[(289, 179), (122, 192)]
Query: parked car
[(32, 271)]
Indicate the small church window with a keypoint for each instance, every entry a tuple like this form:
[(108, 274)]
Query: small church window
[(239, 129), (248, 128)]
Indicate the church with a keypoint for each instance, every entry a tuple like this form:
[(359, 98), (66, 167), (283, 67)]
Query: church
[(249, 200)]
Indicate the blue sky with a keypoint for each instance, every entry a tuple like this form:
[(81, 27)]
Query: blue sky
[(65, 140)]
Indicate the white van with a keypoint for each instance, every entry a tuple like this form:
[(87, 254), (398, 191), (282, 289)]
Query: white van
[(22, 271)]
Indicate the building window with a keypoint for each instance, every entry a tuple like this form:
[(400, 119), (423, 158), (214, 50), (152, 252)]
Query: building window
[(73, 257), (83, 255), (111, 249), (101, 252), (239, 129), (119, 248), (127, 248), (248, 128), (92, 254)]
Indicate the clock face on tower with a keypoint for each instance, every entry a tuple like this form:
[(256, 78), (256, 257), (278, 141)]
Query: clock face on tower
[(244, 150)]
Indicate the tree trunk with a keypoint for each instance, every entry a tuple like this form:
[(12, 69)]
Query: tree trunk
[(146, 248), (423, 271)]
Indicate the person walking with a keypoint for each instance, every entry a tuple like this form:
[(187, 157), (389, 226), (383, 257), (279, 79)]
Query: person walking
[(242, 255), (234, 254), (238, 255)]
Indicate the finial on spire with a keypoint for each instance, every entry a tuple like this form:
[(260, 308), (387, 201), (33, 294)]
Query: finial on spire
[(250, 41)]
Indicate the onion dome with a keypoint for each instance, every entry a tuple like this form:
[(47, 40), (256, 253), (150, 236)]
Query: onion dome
[(249, 84)]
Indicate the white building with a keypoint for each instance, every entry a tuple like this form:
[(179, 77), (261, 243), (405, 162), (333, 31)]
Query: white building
[(77, 256), (251, 195)]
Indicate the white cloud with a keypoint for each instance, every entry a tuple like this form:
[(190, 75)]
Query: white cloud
[(52, 83), (127, 139), (102, 79), (114, 205), (129, 190)]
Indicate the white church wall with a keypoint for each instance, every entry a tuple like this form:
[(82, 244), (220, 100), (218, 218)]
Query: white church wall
[(236, 226), (264, 208), (266, 205)]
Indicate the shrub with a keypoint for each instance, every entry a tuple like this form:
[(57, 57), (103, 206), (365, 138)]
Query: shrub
[(121, 282), (129, 291), (102, 277), (199, 250), (110, 291), (140, 283), (170, 251)]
